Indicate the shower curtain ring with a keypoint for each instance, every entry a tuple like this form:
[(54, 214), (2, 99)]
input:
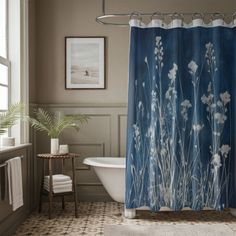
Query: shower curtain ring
[(218, 15), (211, 19), (135, 14), (234, 16), (158, 14), (204, 17), (176, 15), (198, 15)]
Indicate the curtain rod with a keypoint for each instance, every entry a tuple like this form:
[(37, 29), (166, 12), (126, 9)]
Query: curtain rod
[(173, 15)]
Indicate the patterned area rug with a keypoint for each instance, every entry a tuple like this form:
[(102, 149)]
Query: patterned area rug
[(169, 230), (94, 215)]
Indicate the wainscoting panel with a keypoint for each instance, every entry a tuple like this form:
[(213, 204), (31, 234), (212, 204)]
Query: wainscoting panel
[(104, 135), (86, 150), (9, 219)]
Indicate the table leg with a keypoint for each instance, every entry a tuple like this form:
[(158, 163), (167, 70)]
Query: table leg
[(50, 187), (62, 197), (74, 187), (41, 189), (63, 202), (62, 166)]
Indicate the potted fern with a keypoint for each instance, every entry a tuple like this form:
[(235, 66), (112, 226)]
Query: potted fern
[(54, 124), (7, 120)]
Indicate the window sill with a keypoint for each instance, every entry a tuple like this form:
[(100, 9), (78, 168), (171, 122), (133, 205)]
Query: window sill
[(14, 148)]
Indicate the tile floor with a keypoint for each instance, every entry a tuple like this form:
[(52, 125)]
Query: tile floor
[(94, 215)]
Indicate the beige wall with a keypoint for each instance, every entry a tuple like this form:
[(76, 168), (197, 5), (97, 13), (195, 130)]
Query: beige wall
[(32, 51), (56, 19), (105, 133)]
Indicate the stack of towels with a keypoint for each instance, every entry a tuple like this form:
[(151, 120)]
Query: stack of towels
[(60, 183)]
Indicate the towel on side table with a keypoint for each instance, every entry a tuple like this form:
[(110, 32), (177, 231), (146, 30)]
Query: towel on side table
[(59, 189), (60, 183), (57, 178), (14, 174)]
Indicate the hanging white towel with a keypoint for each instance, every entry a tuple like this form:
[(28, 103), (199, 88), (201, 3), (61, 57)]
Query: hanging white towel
[(14, 173)]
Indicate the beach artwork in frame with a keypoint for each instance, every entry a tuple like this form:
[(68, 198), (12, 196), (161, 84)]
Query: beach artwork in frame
[(85, 62)]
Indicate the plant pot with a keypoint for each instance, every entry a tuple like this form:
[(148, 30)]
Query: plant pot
[(54, 145), (8, 141)]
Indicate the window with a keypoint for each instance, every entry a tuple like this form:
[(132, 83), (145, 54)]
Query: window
[(4, 61), (14, 61)]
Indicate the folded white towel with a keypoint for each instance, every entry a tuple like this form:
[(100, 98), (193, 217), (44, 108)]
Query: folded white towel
[(14, 173), (58, 178), (58, 187), (58, 183), (60, 190)]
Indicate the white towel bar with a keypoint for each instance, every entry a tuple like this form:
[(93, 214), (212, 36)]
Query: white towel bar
[(4, 164)]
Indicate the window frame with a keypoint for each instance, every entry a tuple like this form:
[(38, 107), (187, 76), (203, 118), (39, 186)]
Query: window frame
[(17, 62), (5, 61)]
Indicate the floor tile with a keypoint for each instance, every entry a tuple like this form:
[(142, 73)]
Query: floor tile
[(94, 215)]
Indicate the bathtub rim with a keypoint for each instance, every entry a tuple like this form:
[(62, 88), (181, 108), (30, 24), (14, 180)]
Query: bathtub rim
[(94, 161)]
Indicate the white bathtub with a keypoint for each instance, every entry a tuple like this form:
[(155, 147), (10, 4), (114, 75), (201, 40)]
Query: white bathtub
[(111, 172)]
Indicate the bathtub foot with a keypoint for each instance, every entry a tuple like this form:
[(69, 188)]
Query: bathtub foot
[(233, 211), (130, 213)]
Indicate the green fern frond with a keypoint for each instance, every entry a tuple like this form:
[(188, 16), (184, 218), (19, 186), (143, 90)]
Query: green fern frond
[(54, 124), (38, 125), (45, 117), (9, 118)]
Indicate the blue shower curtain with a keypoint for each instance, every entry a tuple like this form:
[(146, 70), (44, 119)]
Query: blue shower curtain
[(181, 118)]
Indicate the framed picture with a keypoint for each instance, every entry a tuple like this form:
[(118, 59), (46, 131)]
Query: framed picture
[(85, 62)]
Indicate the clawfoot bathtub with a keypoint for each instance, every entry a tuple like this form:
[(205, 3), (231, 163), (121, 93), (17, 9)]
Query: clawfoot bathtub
[(111, 172)]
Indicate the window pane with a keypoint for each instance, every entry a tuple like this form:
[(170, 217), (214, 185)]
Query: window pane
[(3, 28), (3, 98), (3, 74)]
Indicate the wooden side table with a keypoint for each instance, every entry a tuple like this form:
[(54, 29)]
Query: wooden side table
[(50, 158)]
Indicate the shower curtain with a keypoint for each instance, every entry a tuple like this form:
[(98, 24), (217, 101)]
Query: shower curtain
[(181, 115)]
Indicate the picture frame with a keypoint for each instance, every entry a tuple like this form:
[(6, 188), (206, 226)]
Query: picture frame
[(85, 63)]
